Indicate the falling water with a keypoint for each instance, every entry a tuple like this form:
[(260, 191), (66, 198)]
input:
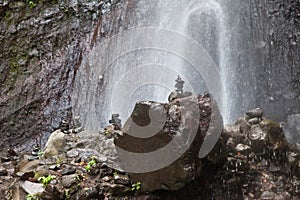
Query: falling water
[(111, 81), (203, 20)]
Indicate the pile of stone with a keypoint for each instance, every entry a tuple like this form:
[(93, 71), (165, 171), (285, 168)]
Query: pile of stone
[(86, 165), (259, 162), (80, 165), (251, 159)]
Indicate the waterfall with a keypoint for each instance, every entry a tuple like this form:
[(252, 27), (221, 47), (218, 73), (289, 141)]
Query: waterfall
[(166, 39)]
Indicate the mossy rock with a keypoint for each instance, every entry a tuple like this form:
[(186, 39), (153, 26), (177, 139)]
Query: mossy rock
[(274, 133)]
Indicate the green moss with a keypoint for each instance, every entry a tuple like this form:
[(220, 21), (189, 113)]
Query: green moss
[(13, 65), (267, 123), (32, 4), (54, 1), (7, 15)]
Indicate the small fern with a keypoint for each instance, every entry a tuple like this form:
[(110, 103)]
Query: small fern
[(91, 163), (46, 180), (136, 186), (32, 197)]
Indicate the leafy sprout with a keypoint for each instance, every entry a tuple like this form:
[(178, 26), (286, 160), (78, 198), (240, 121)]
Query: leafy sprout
[(31, 4), (115, 173), (67, 193), (32, 197), (136, 186), (46, 180), (105, 132), (41, 154), (91, 163)]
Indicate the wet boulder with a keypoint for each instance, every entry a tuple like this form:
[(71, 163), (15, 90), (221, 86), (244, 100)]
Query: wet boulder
[(156, 133), (255, 113), (274, 134)]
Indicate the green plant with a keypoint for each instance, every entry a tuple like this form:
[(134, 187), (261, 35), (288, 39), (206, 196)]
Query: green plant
[(115, 173), (136, 186), (46, 180), (8, 15), (31, 4), (58, 162), (78, 178), (41, 154), (91, 163), (32, 197), (105, 132), (37, 175), (67, 193)]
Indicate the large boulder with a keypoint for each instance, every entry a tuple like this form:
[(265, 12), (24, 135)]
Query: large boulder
[(161, 143), (55, 144)]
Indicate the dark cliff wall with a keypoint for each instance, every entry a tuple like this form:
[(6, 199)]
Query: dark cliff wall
[(41, 48), (266, 57)]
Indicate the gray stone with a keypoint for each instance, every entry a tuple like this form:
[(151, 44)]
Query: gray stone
[(52, 192), (3, 171), (69, 180), (107, 178), (292, 157), (98, 145), (274, 168), (32, 188), (267, 195), (53, 167), (244, 149), (55, 144), (122, 179), (72, 153), (12, 29), (283, 196), (116, 189), (173, 96), (5, 159), (27, 166), (256, 133), (67, 170), (88, 193), (25, 175), (78, 129), (101, 158), (33, 53), (255, 113), (274, 135), (17, 5), (253, 121), (49, 12)]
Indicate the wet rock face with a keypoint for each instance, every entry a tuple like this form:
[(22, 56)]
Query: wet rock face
[(41, 47), (267, 40), (292, 128), (181, 118)]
